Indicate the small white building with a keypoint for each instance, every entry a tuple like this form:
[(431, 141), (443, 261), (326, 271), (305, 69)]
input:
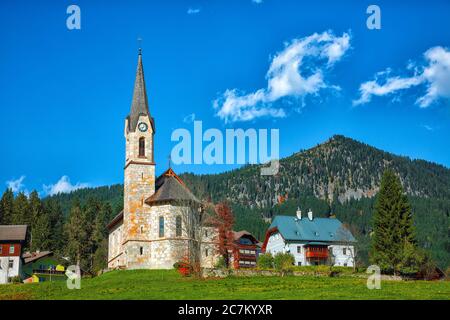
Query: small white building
[(12, 239), (312, 241)]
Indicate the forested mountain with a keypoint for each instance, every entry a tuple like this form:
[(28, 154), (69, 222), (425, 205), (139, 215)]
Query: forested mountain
[(110, 194), (339, 169), (340, 177)]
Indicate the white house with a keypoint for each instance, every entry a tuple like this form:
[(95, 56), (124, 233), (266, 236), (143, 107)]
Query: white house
[(12, 239), (312, 241)]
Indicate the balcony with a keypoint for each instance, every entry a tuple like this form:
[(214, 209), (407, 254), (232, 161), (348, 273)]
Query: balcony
[(48, 272), (317, 252)]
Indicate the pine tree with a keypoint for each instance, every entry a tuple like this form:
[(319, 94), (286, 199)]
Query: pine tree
[(94, 230), (393, 234), (99, 244), (100, 232), (1, 213), (7, 207), (41, 233), (77, 236), (21, 213), (55, 214), (100, 257), (38, 224)]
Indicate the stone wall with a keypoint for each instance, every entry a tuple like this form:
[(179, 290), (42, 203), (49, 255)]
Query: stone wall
[(115, 249)]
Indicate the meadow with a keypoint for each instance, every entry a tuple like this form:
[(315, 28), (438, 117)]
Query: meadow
[(168, 284)]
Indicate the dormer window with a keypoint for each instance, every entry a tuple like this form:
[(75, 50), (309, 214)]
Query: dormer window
[(142, 147)]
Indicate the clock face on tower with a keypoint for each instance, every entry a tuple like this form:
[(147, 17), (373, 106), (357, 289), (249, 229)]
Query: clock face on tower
[(142, 127)]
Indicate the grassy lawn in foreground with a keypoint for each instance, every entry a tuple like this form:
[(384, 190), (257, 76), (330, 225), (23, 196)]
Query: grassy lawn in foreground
[(168, 284)]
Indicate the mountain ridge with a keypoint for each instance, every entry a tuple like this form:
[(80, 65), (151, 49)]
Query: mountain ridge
[(340, 168)]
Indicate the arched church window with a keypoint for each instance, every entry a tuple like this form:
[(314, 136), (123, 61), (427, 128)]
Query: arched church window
[(178, 226), (142, 147), (161, 227)]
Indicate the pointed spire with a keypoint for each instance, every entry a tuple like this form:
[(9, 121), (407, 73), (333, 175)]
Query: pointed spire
[(139, 104)]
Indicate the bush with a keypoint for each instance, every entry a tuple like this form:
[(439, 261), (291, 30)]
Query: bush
[(413, 260), (321, 269), (283, 262), (265, 261), (184, 267), (326, 270), (15, 279), (220, 264)]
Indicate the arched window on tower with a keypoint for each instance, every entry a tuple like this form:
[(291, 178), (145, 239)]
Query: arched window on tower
[(142, 147)]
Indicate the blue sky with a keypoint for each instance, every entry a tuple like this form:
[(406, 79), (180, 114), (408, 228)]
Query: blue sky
[(64, 93)]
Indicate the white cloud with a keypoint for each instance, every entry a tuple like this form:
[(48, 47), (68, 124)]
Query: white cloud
[(427, 127), (297, 71), (434, 74), (370, 88), (63, 186), (193, 10), (16, 185)]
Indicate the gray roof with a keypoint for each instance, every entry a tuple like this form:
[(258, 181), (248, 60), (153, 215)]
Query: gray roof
[(139, 104), (169, 187), (13, 232), (118, 218)]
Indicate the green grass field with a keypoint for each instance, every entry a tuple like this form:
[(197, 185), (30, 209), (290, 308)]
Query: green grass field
[(167, 284)]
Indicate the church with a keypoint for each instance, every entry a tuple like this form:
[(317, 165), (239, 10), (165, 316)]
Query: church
[(158, 224)]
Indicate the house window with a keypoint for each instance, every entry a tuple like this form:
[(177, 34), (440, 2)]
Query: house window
[(330, 250), (299, 249), (161, 227), (206, 252), (142, 147), (178, 226), (299, 263), (141, 250), (11, 264), (142, 229), (344, 251), (345, 264), (206, 233), (11, 248)]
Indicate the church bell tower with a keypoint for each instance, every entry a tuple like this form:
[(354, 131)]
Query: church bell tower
[(139, 174)]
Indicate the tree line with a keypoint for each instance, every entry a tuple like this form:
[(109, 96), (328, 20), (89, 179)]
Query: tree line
[(78, 238)]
